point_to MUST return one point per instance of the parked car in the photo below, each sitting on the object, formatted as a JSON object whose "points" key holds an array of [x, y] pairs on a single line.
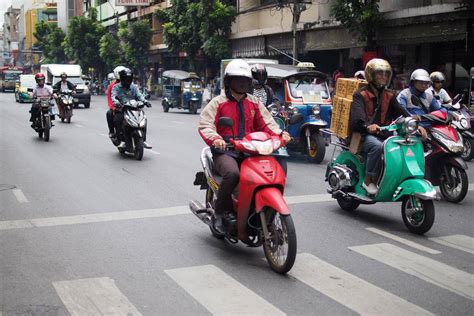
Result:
{"points": [[21, 88]]}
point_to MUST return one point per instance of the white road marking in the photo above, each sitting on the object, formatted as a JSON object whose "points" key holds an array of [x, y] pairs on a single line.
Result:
{"points": [[127, 215], [78, 125], [21, 198], [471, 187], [177, 122], [403, 241], [460, 242], [93, 218], [153, 152], [429, 270], [349, 290], [105, 135], [219, 293], [98, 296]]}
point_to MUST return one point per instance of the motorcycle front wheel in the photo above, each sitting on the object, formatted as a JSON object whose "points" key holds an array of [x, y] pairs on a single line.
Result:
{"points": [[317, 148], [138, 147], [280, 248], [47, 128], [467, 153], [456, 190], [347, 204], [418, 215]]}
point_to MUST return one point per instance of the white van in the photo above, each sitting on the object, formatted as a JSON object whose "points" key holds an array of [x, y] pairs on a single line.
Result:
{"points": [[53, 72]]}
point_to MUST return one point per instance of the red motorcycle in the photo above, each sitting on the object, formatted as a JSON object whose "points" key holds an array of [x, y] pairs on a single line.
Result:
{"points": [[444, 166], [261, 216]]}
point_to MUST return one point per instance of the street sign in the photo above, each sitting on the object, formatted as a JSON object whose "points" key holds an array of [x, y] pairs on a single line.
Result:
{"points": [[132, 2]]}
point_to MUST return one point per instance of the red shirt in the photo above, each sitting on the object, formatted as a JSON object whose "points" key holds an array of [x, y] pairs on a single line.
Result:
{"points": [[109, 95]]}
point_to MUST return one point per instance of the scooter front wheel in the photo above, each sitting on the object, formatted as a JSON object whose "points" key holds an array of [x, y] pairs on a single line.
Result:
{"points": [[348, 204], [418, 215], [467, 153], [456, 191], [280, 247]]}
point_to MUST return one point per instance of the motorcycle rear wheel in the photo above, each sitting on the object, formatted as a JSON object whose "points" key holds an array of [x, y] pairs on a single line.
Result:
{"points": [[166, 106], [282, 235], [348, 204], [418, 221], [210, 200], [454, 192]]}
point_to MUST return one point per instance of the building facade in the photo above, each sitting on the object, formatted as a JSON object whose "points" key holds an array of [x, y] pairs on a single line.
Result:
{"points": [[10, 35]]}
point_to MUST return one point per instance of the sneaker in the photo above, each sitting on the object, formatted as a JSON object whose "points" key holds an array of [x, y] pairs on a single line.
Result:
{"points": [[371, 188], [218, 223], [121, 145], [145, 144]]}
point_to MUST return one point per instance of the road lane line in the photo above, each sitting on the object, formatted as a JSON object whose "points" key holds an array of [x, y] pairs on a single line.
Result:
{"points": [[127, 215], [403, 241], [21, 198], [97, 296], [460, 242], [219, 293], [471, 187], [105, 135], [78, 125], [153, 152], [429, 270], [350, 290]]}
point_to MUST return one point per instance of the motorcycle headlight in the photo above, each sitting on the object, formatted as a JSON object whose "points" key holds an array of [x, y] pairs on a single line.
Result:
{"points": [[263, 148], [143, 123], [273, 110], [316, 109], [452, 146], [411, 126], [464, 123], [293, 110]]}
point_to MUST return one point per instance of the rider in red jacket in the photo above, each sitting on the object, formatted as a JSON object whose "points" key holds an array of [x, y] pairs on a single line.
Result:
{"points": [[249, 115], [110, 112]]}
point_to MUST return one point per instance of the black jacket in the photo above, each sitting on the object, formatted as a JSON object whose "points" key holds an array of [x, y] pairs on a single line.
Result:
{"points": [[57, 86]]}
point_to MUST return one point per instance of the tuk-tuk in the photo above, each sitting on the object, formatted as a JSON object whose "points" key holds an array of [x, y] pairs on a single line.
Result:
{"points": [[305, 92], [181, 90]]}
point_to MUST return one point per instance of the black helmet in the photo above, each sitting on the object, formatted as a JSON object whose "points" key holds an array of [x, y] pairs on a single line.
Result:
{"points": [[63, 75], [259, 73], [126, 77]]}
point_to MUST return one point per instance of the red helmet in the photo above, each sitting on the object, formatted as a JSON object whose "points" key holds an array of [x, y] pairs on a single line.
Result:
{"points": [[39, 76]]}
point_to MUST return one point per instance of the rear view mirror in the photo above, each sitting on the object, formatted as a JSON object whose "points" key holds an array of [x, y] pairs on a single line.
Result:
{"points": [[225, 121], [456, 106]]}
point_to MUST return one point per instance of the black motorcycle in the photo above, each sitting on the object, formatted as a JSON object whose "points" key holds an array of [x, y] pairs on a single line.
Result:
{"points": [[42, 124]]}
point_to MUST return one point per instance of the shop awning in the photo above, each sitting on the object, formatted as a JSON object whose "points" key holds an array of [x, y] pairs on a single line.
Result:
{"points": [[331, 38], [248, 47]]}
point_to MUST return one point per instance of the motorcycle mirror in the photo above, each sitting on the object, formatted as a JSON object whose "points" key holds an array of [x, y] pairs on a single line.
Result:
{"points": [[296, 119], [225, 121], [456, 106], [415, 100], [48, 83], [29, 90]]}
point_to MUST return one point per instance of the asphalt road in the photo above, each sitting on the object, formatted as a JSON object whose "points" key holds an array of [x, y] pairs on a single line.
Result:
{"points": [[85, 231]]}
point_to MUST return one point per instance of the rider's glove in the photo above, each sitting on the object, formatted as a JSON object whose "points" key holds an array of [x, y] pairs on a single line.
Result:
{"points": [[148, 104]]}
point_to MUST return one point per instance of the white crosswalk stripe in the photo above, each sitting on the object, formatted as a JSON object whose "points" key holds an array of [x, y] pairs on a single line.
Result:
{"points": [[220, 293], [427, 269], [97, 296], [349, 290], [460, 242], [403, 241]]}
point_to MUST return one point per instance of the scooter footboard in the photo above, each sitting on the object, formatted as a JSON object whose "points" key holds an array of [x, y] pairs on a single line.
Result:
{"points": [[418, 187], [271, 197]]}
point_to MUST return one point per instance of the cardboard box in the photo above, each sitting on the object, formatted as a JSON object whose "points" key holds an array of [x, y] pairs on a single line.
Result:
{"points": [[341, 112], [345, 87]]}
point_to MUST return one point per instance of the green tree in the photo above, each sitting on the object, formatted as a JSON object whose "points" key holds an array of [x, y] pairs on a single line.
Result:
{"points": [[49, 39], [361, 17], [110, 50], [194, 25], [135, 37], [82, 41]]}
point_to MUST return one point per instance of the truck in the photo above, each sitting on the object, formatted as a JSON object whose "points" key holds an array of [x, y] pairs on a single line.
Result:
{"points": [[53, 72]]}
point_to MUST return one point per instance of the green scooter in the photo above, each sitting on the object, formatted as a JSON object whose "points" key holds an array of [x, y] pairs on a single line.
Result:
{"points": [[401, 178]]}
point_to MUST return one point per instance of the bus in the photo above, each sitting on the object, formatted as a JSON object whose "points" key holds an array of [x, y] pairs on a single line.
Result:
{"points": [[9, 76]]}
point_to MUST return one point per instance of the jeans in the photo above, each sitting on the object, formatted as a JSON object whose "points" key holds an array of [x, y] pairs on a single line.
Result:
{"points": [[228, 168], [373, 148]]}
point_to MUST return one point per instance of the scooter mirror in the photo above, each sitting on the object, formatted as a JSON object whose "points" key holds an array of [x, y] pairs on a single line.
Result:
{"points": [[456, 106], [29, 90], [225, 121], [415, 100], [296, 119]]}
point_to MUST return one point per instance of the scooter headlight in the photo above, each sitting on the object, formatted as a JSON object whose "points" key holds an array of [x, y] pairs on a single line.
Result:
{"points": [[142, 123], [316, 109], [464, 123], [452, 146], [293, 110], [411, 126], [273, 110], [263, 148]]}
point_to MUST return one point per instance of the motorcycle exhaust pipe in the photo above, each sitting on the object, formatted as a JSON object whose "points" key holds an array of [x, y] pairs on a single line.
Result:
{"points": [[199, 210]]}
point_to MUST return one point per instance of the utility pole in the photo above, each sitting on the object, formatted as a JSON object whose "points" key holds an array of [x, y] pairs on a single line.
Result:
{"points": [[298, 7]]}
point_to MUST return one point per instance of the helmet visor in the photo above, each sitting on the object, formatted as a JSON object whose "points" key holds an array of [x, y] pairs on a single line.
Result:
{"points": [[126, 81], [382, 77]]}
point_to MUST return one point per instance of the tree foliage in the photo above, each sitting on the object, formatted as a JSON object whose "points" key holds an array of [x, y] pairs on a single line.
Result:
{"points": [[135, 38], [82, 41], [194, 25], [110, 50], [361, 17], [49, 39]]}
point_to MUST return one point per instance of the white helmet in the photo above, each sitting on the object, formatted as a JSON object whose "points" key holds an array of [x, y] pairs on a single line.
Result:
{"points": [[117, 70], [437, 76], [110, 76], [238, 68], [420, 75], [360, 74]]}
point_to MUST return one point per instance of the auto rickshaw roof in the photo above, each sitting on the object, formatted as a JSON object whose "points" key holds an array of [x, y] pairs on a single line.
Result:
{"points": [[180, 74], [285, 71]]}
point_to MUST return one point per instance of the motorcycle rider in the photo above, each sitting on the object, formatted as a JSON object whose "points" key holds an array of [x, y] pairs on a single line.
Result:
{"points": [[60, 86], [374, 106], [260, 88], [249, 115], [419, 83], [110, 113], [40, 91], [123, 91], [436, 89]]}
